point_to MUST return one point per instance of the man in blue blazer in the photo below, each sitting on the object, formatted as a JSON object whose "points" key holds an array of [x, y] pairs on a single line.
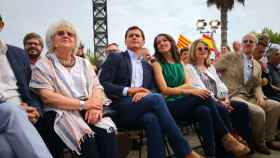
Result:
{"points": [[127, 80], [18, 137]]}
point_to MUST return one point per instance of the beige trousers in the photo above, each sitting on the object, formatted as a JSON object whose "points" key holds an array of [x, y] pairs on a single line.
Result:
{"points": [[264, 121]]}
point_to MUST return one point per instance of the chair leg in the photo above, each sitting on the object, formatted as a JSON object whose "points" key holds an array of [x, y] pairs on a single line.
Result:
{"points": [[141, 137], [199, 138], [167, 149]]}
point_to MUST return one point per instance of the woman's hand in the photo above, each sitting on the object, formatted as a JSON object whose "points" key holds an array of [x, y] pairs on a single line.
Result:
{"points": [[261, 102], [94, 103], [226, 104], [203, 93], [92, 116], [264, 81]]}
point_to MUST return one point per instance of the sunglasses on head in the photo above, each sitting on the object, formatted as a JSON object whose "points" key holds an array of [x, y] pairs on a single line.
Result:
{"points": [[62, 33], [202, 48], [248, 41]]}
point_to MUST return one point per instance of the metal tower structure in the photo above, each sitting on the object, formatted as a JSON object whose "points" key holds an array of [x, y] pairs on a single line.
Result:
{"points": [[100, 32]]}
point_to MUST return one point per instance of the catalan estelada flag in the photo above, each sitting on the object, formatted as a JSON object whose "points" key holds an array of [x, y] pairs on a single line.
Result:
{"points": [[207, 39], [183, 42]]}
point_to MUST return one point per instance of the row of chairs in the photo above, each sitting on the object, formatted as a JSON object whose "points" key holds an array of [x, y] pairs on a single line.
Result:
{"points": [[137, 138]]}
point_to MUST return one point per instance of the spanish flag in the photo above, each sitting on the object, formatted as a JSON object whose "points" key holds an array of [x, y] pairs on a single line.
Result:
{"points": [[207, 39], [183, 42]]}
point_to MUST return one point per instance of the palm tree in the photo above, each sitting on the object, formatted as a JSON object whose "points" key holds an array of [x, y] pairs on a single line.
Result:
{"points": [[224, 6], [274, 36]]}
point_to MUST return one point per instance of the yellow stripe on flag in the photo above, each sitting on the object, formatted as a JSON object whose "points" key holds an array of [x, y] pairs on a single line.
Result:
{"points": [[208, 40], [179, 45], [183, 41]]}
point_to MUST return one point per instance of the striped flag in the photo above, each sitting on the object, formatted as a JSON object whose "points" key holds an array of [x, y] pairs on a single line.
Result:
{"points": [[183, 42], [207, 39]]}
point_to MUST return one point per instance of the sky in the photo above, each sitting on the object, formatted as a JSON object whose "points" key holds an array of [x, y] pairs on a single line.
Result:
{"points": [[153, 16]]}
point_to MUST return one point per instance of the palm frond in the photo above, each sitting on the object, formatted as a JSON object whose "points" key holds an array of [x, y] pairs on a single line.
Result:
{"points": [[225, 4]]}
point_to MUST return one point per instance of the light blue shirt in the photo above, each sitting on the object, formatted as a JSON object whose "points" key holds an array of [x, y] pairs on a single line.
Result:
{"points": [[248, 68], [136, 71]]}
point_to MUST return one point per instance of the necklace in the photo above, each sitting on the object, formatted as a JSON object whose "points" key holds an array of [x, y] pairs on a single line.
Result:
{"points": [[67, 63]]}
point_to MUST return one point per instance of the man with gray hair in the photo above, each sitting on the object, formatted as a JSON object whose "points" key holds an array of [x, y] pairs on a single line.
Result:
{"points": [[272, 90], [18, 137], [242, 75]]}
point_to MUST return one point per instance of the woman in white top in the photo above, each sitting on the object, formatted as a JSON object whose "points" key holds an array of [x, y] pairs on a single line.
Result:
{"points": [[203, 75]]}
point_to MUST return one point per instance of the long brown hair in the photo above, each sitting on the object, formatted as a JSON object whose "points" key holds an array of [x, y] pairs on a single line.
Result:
{"points": [[173, 51]]}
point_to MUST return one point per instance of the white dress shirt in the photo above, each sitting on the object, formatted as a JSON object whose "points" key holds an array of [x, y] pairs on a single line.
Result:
{"points": [[8, 81], [136, 71]]}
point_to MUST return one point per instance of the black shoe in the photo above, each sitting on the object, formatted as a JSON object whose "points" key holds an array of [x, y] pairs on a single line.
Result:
{"points": [[262, 149]]}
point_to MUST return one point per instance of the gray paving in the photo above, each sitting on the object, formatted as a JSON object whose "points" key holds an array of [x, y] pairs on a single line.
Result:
{"points": [[194, 142]]}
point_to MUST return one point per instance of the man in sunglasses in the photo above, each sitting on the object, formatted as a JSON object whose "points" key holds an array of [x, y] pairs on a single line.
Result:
{"points": [[18, 137], [242, 75]]}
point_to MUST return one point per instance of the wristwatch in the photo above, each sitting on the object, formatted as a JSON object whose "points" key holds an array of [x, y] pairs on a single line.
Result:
{"points": [[82, 105]]}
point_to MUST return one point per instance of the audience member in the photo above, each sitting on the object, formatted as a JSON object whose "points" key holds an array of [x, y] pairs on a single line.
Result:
{"points": [[73, 98], [187, 103], [236, 45], [242, 75], [203, 75], [225, 50], [272, 90], [18, 137], [261, 56], [184, 55], [263, 41], [33, 45], [112, 48], [128, 81], [80, 51]]}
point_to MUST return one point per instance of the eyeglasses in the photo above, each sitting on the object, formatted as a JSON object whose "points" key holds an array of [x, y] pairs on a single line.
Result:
{"points": [[248, 41], [62, 33], [202, 48]]}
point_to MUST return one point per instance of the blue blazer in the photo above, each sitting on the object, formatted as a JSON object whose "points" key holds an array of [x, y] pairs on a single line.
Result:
{"points": [[116, 74], [20, 64]]}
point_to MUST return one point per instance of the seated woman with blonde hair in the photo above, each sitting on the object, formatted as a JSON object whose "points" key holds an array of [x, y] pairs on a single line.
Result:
{"points": [[73, 99], [204, 76]]}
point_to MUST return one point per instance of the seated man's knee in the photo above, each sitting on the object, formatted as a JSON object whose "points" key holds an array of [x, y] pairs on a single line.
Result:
{"points": [[5, 150], [155, 99], [257, 112], [149, 119], [9, 110]]}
